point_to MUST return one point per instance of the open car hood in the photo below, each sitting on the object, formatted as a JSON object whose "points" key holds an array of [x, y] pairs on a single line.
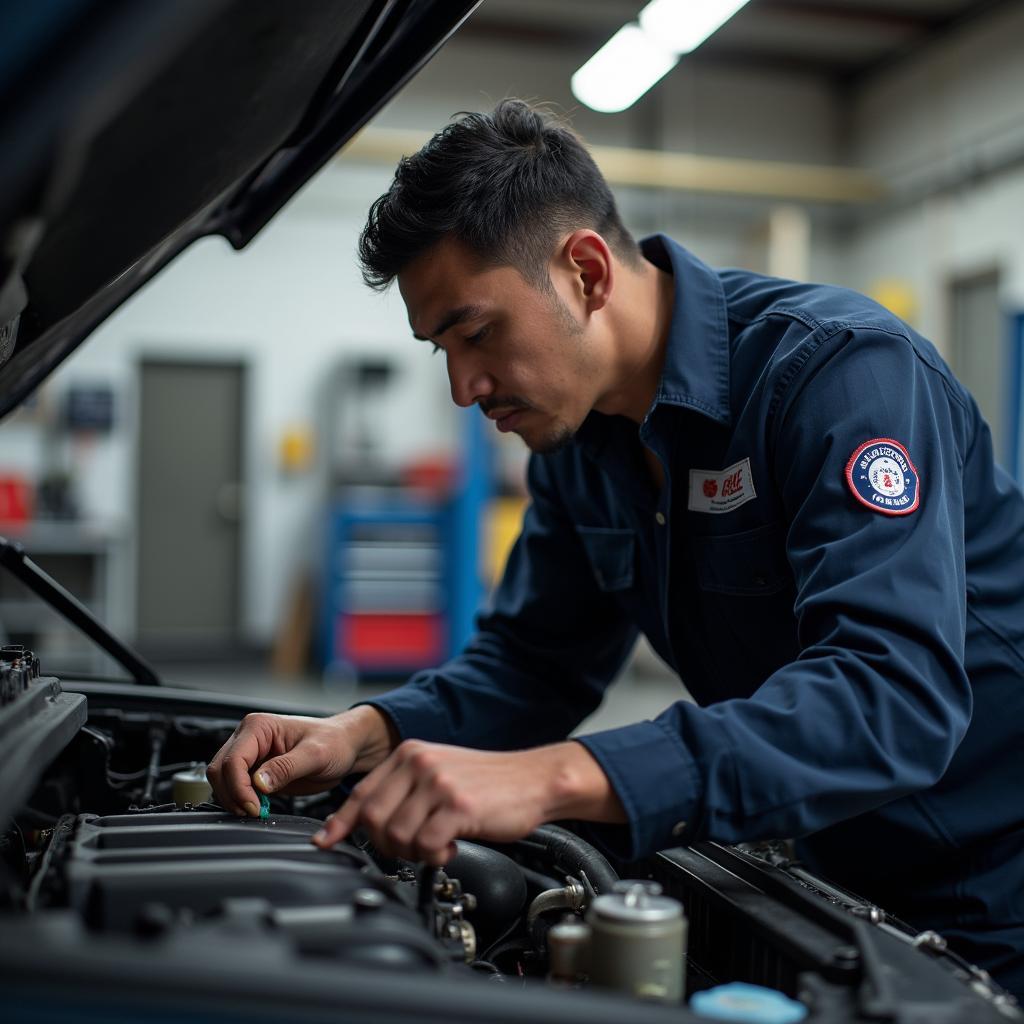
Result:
{"points": [[128, 130]]}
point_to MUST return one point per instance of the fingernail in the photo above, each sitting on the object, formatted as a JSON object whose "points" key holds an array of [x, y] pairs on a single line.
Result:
{"points": [[264, 779], [320, 837], [251, 809]]}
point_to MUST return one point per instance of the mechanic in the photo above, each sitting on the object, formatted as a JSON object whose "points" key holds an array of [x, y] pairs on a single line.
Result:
{"points": [[781, 484]]}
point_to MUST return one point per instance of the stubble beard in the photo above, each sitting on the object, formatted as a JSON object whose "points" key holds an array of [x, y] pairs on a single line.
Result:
{"points": [[559, 438], [561, 435]]}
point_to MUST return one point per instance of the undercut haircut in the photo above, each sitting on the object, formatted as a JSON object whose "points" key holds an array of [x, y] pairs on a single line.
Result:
{"points": [[508, 185]]}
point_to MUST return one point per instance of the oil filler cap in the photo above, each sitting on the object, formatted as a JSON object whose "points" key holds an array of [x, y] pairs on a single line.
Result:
{"points": [[747, 1004]]}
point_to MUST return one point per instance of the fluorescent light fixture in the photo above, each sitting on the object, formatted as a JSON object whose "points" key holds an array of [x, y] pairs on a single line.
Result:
{"points": [[622, 70], [682, 25]]}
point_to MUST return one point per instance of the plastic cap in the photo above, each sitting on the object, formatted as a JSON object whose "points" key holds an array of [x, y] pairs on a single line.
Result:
{"points": [[747, 1004], [636, 902]]}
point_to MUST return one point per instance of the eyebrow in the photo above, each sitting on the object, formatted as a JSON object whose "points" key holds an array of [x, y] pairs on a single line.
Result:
{"points": [[451, 319]]}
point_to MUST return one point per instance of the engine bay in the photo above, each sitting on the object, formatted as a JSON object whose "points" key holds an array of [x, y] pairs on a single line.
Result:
{"points": [[125, 884]]}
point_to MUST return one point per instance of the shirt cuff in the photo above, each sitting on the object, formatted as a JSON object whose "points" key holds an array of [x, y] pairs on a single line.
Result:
{"points": [[414, 713], [656, 778]]}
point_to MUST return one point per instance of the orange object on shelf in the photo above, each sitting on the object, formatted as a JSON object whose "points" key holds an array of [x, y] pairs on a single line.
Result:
{"points": [[436, 475]]}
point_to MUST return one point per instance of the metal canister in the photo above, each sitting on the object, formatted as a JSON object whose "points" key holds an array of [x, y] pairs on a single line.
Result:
{"points": [[568, 952], [638, 942]]}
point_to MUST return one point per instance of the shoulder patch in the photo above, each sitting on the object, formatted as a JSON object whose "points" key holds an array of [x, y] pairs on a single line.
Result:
{"points": [[881, 476]]}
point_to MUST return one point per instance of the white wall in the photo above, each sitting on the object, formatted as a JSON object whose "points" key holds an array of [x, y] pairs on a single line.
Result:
{"points": [[946, 130]]}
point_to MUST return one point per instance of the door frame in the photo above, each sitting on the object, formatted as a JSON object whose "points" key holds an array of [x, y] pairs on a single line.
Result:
{"points": [[1007, 453]]}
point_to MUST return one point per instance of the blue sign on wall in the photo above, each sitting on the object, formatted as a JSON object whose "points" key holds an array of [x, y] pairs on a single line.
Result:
{"points": [[1015, 434]]}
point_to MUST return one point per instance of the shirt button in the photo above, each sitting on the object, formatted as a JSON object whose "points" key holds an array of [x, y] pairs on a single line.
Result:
{"points": [[679, 828], [660, 518]]}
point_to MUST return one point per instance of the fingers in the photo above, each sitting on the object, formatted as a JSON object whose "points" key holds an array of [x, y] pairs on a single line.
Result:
{"points": [[372, 802], [407, 804], [228, 772], [436, 839], [307, 758]]}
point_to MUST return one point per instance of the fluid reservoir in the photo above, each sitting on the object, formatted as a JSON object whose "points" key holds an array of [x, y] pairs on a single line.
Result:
{"points": [[638, 942], [191, 786]]}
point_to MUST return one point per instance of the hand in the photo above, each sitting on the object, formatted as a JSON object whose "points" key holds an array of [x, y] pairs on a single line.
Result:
{"points": [[296, 755], [425, 795]]}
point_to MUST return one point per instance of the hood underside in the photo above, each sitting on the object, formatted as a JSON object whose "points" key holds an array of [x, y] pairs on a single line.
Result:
{"points": [[129, 130]]}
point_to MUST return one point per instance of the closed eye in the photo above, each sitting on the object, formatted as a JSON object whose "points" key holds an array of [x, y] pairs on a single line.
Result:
{"points": [[479, 336]]}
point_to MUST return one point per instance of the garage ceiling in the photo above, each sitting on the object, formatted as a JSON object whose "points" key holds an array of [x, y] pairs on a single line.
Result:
{"points": [[843, 40]]}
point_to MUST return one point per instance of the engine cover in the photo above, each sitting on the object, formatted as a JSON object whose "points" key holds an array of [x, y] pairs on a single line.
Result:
{"points": [[152, 873]]}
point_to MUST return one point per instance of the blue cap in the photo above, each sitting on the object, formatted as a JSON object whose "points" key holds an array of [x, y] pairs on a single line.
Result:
{"points": [[747, 1004], [264, 806]]}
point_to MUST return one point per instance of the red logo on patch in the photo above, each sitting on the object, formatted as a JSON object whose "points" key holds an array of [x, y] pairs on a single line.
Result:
{"points": [[732, 484], [710, 488]]}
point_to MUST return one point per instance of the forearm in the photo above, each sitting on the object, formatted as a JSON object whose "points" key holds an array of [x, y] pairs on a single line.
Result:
{"points": [[374, 735], [576, 785]]}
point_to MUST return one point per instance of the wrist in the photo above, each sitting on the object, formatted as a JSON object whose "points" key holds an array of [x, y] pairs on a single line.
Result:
{"points": [[576, 785], [372, 734]]}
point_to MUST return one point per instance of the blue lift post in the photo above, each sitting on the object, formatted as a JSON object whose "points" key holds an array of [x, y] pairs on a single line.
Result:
{"points": [[1015, 399], [465, 528]]}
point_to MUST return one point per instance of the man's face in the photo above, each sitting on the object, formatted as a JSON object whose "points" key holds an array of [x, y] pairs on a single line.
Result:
{"points": [[515, 350]]}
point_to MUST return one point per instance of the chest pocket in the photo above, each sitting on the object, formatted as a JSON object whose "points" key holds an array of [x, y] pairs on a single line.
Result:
{"points": [[748, 564], [743, 639], [611, 553]]}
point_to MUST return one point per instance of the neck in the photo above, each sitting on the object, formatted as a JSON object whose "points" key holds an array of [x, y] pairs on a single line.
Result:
{"points": [[639, 329]]}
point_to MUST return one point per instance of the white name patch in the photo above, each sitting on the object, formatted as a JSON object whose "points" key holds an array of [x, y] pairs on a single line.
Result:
{"points": [[721, 490]]}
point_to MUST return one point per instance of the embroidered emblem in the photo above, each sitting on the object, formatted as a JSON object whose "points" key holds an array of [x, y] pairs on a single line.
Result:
{"points": [[721, 490], [881, 476]]}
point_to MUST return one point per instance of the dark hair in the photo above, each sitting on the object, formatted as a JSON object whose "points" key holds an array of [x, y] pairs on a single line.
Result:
{"points": [[506, 184]]}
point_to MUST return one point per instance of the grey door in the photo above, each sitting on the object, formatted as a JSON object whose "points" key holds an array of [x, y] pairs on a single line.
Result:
{"points": [[189, 508], [980, 349]]}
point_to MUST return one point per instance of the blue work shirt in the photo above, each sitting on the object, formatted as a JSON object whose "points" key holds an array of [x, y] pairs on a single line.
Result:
{"points": [[835, 569]]}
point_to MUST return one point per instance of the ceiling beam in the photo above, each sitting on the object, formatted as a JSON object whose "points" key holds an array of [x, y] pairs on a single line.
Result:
{"points": [[682, 172], [875, 15]]}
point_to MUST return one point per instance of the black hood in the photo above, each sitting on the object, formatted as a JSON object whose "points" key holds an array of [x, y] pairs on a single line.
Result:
{"points": [[128, 130]]}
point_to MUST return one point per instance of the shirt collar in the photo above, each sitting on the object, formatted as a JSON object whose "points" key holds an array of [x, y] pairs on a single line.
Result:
{"points": [[696, 370]]}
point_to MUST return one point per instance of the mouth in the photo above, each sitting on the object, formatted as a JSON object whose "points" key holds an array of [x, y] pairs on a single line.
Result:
{"points": [[510, 420], [506, 418]]}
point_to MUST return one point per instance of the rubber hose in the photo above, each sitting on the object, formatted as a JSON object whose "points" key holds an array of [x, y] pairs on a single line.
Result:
{"points": [[575, 856]]}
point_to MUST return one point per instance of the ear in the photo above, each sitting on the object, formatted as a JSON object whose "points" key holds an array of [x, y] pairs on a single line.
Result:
{"points": [[587, 257]]}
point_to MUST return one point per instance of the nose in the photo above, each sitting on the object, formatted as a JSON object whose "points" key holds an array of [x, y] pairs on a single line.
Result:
{"points": [[470, 382]]}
